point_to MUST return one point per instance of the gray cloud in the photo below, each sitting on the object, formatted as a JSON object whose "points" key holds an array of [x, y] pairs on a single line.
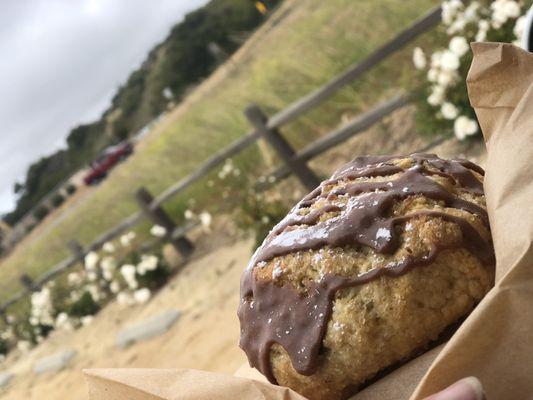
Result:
{"points": [[61, 61]]}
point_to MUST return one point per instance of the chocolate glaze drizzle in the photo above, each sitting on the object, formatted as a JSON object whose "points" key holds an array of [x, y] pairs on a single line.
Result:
{"points": [[271, 314]]}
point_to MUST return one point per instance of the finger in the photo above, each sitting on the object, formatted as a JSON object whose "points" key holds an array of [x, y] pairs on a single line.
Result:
{"points": [[465, 389]]}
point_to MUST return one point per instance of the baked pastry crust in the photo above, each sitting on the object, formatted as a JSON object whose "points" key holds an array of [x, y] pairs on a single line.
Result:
{"points": [[365, 271]]}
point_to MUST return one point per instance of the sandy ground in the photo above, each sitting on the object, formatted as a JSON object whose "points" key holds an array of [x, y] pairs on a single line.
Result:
{"points": [[205, 337]]}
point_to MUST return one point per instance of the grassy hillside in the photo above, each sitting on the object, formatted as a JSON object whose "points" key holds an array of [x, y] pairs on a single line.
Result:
{"points": [[309, 43], [176, 64]]}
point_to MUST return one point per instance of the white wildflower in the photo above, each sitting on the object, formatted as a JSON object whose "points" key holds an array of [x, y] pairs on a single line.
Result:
{"points": [[108, 265], [91, 261], [74, 278], [265, 219], [86, 320], [464, 127], [92, 276], [23, 346], [125, 299], [188, 214], [141, 296], [94, 291], [449, 61], [127, 238], [205, 219], [446, 78], [450, 9], [512, 9], [483, 24], [433, 74], [41, 308], [471, 12], [519, 28], [108, 247], [448, 110], [147, 263], [227, 169], [75, 295], [502, 11], [128, 272], [458, 25], [483, 27], [61, 318], [158, 231], [63, 322], [107, 275], [436, 59], [114, 287], [419, 58], [8, 334], [437, 96], [459, 46]]}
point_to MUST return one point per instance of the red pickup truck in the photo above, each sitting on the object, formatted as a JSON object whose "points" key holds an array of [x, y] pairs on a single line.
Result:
{"points": [[107, 160]]}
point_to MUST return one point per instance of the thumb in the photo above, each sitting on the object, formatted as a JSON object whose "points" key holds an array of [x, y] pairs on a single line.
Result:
{"points": [[465, 389]]}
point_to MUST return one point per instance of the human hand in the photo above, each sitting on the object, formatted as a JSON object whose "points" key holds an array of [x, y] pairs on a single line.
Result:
{"points": [[466, 389]]}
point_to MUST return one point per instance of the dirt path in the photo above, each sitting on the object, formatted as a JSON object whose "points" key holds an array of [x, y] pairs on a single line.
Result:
{"points": [[205, 337]]}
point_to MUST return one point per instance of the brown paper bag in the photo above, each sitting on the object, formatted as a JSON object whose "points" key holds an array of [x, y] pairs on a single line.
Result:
{"points": [[495, 343], [182, 384]]}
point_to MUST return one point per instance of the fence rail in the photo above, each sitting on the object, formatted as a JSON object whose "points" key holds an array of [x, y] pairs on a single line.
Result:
{"points": [[295, 162]]}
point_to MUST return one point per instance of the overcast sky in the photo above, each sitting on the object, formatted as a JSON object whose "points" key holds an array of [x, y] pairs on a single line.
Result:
{"points": [[61, 62]]}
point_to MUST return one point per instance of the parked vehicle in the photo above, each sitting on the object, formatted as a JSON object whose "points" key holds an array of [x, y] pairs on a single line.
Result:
{"points": [[106, 161]]}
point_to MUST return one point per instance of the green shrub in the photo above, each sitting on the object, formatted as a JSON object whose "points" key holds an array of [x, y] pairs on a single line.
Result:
{"points": [[57, 199], [70, 189], [41, 212], [85, 305], [154, 279]]}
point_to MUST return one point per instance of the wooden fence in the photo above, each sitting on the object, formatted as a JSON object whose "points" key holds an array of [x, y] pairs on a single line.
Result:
{"points": [[268, 128]]}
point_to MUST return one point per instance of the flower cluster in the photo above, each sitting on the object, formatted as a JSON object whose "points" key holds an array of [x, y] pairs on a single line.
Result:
{"points": [[228, 169], [71, 302], [446, 68], [41, 308]]}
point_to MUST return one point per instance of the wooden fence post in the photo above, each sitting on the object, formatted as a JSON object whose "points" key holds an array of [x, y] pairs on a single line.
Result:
{"points": [[158, 216], [258, 119], [76, 249]]}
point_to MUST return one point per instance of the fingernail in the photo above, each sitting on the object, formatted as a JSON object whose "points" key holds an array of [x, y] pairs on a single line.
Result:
{"points": [[466, 389]]}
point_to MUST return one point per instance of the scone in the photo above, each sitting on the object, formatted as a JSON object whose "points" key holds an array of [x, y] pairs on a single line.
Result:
{"points": [[366, 271]]}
